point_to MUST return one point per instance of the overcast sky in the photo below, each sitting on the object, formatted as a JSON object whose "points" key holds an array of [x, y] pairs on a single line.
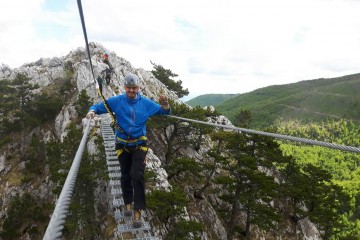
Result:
{"points": [[215, 46]]}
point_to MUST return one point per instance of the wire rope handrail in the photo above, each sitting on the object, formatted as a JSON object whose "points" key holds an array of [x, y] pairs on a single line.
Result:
{"points": [[56, 224], [276, 135]]}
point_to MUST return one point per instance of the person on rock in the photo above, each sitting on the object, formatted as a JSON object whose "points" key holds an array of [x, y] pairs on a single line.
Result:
{"points": [[106, 58], [132, 112], [107, 72]]}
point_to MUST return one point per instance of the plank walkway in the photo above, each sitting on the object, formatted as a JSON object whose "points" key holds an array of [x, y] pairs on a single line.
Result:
{"points": [[124, 224]]}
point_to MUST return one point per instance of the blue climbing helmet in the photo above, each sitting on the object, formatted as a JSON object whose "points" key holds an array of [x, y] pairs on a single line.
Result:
{"points": [[131, 80]]}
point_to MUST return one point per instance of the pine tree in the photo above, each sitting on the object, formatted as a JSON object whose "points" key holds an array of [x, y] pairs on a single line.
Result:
{"points": [[249, 188], [83, 103], [183, 164], [199, 129], [209, 168], [22, 99], [175, 131], [165, 76], [170, 207], [313, 195]]}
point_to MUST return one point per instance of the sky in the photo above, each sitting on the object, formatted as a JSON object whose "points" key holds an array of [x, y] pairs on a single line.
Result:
{"points": [[214, 46]]}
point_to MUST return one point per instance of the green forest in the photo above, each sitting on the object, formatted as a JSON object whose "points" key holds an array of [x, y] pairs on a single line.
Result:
{"points": [[305, 101], [342, 167]]}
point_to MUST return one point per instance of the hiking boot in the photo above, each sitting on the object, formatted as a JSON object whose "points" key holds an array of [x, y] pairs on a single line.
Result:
{"points": [[127, 210], [137, 219]]}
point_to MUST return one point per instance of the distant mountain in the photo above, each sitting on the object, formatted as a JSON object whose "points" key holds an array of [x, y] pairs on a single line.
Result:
{"points": [[306, 101], [210, 99]]}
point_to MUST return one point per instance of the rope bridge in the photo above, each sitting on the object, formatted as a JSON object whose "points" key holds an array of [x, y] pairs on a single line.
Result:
{"points": [[56, 224]]}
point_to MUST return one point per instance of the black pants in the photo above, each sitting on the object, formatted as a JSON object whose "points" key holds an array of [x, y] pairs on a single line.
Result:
{"points": [[107, 78], [132, 163]]}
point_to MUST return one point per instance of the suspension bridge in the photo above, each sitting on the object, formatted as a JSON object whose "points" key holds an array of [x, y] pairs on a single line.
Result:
{"points": [[124, 227]]}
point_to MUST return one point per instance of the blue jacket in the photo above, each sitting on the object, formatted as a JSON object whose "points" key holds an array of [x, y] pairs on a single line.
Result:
{"points": [[131, 115]]}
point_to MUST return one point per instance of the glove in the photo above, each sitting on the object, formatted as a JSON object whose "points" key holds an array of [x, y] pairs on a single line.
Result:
{"points": [[90, 115], [164, 103]]}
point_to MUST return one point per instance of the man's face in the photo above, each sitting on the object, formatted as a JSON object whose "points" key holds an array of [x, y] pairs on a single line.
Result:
{"points": [[131, 91]]}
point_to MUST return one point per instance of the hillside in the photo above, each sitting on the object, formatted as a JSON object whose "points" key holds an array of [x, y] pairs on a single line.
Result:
{"points": [[306, 101], [210, 99]]}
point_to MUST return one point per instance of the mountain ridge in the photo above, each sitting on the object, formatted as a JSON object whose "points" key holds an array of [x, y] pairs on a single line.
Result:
{"points": [[209, 99], [306, 100]]}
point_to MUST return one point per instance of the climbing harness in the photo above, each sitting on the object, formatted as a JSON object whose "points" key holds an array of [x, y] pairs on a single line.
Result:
{"points": [[131, 140], [123, 145], [131, 149]]}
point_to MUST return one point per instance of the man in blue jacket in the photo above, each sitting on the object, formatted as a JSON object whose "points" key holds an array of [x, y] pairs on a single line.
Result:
{"points": [[131, 112]]}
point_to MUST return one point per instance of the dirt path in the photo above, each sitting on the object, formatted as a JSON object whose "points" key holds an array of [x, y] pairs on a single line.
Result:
{"points": [[310, 111]]}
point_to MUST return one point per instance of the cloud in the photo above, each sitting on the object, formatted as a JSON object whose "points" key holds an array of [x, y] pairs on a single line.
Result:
{"points": [[243, 45], [31, 32]]}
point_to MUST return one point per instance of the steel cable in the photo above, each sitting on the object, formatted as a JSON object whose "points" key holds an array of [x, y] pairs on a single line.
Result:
{"points": [[276, 135]]}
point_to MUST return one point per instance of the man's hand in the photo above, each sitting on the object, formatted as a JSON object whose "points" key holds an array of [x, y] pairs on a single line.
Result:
{"points": [[164, 103], [90, 115]]}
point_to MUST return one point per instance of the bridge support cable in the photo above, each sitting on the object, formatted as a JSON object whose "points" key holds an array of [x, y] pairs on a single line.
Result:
{"points": [[86, 38], [276, 135], [108, 109], [124, 224], [56, 224]]}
